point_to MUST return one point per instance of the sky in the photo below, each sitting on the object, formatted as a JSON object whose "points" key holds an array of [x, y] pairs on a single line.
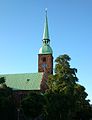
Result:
{"points": [[70, 30]]}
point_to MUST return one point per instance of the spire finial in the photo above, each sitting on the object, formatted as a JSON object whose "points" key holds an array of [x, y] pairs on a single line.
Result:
{"points": [[46, 11]]}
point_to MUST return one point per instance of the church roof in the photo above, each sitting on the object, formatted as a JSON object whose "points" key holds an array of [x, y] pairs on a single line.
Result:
{"points": [[26, 81]]}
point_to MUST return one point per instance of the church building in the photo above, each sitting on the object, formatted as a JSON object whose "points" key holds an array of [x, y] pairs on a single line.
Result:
{"points": [[34, 81]]}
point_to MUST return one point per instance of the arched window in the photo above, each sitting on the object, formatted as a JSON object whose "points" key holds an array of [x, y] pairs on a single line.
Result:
{"points": [[44, 59]]}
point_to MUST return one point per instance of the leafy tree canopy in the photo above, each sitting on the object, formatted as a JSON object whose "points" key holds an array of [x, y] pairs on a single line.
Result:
{"points": [[72, 96], [7, 107], [33, 105]]}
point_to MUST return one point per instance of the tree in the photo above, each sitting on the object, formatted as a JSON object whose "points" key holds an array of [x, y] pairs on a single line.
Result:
{"points": [[7, 107], [33, 105], [2, 82], [65, 94]]}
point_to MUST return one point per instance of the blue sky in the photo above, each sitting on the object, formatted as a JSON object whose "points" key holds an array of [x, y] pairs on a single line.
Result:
{"points": [[70, 29]]}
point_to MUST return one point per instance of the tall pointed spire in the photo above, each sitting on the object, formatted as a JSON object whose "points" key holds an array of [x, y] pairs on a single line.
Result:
{"points": [[46, 31], [46, 49]]}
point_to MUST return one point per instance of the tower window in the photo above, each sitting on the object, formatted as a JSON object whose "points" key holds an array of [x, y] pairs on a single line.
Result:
{"points": [[44, 59], [45, 42]]}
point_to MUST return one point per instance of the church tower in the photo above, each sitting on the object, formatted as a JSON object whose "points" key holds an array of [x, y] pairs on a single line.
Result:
{"points": [[45, 57]]}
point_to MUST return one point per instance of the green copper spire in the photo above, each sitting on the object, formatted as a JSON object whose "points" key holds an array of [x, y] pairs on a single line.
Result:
{"points": [[46, 49], [46, 31]]}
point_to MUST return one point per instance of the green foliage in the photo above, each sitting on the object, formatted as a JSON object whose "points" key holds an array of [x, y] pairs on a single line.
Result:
{"points": [[2, 83], [2, 80], [56, 108], [33, 105], [7, 107], [63, 70], [65, 94]]}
